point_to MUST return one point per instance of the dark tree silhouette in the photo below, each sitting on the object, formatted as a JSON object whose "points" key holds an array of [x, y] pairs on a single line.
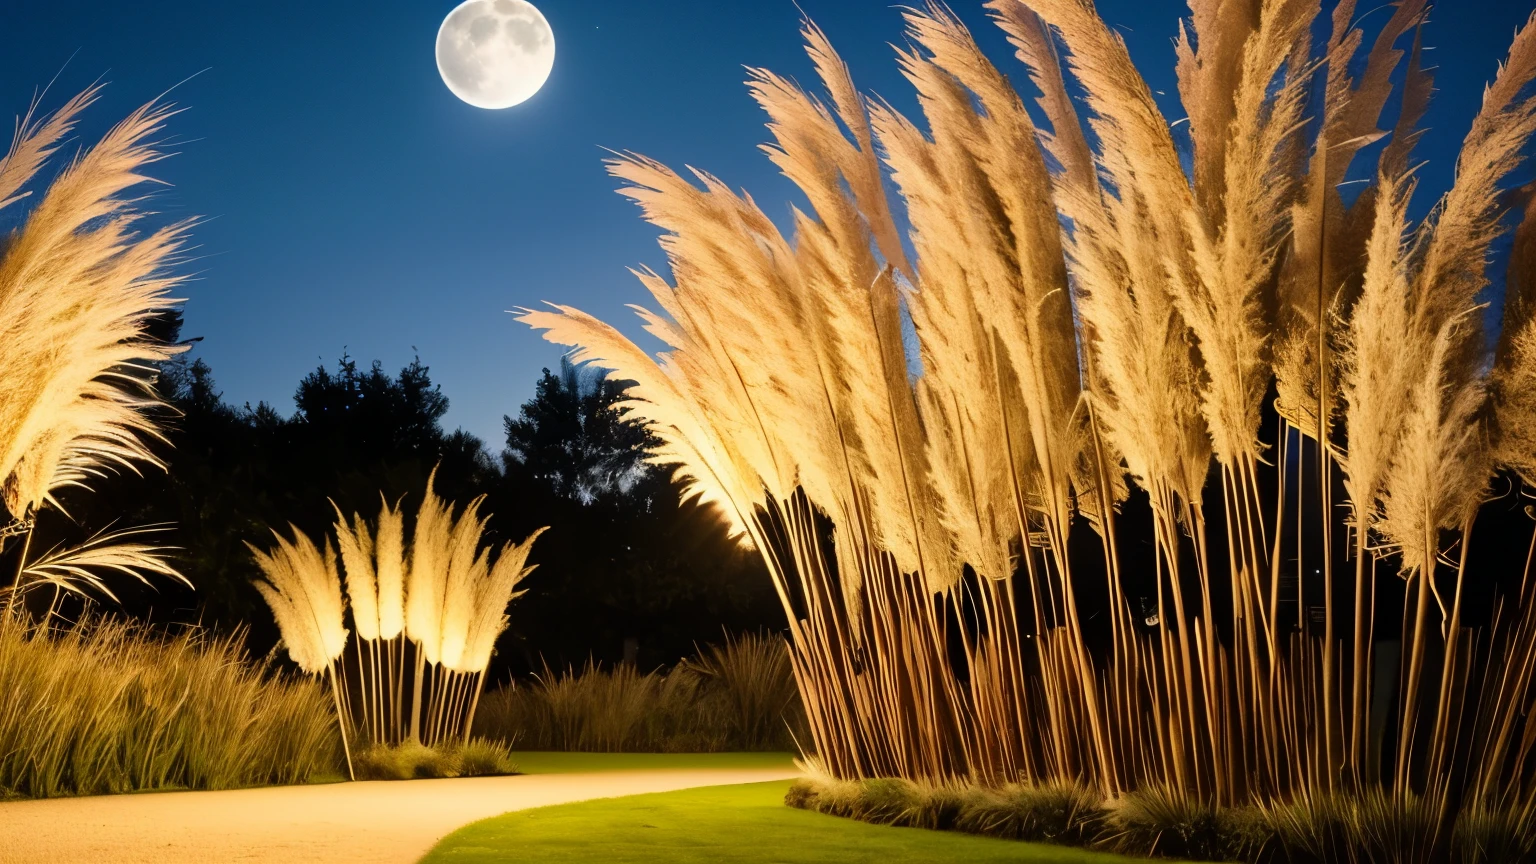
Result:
{"points": [[570, 437], [625, 558]]}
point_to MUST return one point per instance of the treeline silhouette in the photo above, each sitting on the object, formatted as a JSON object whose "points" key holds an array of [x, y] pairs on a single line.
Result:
{"points": [[628, 571]]}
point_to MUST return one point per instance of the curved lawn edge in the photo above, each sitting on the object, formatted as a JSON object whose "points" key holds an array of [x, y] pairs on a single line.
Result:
{"points": [[741, 823], [565, 762]]}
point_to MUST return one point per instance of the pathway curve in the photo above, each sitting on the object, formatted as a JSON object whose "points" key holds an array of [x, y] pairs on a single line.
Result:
{"points": [[341, 823]]}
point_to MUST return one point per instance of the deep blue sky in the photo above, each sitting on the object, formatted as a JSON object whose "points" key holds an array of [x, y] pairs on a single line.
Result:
{"points": [[355, 203]]}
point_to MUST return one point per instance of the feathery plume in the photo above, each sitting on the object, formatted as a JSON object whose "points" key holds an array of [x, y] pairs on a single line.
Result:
{"points": [[356, 546], [77, 289], [431, 552], [493, 593], [79, 569], [303, 589], [389, 550]]}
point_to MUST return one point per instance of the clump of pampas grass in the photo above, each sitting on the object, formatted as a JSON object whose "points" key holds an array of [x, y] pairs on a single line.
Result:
{"points": [[440, 601], [914, 429], [79, 283]]}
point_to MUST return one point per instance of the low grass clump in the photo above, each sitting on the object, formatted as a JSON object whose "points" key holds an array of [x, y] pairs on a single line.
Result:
{"points": [[1060, 813], [738, 696], [1161, 822], [106, 707], [412, 760], [1485, 836]]}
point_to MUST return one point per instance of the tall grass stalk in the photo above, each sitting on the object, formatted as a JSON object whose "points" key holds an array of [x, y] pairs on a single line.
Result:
{"points": [[1093, 321]]}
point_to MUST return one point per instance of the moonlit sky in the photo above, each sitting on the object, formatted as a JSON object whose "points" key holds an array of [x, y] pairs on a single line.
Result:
{"points": [[355, 204]]}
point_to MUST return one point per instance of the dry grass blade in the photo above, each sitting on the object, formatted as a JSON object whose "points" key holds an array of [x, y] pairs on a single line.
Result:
{"points": [[80, 569]]}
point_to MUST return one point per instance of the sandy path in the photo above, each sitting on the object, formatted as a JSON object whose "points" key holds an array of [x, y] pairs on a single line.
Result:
{"points": [[342, 823]]}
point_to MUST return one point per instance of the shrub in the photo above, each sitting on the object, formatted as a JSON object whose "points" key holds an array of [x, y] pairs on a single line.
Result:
{"points": [[410, 760], [1054, 813], [108, 707], [1370, 828], [749, 681], [824, 793]]}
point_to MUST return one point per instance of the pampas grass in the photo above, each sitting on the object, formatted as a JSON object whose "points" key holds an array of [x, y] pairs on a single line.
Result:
{"points": [[303, 590], [80, 281], [77, 288], [1090, 317], [442, 601]]}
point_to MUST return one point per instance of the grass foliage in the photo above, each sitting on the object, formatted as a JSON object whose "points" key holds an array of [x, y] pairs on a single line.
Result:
{"points": [[107, 707], [1374, 828], [739, 695], [411, 760], [1062, 813], [1162, 821]]}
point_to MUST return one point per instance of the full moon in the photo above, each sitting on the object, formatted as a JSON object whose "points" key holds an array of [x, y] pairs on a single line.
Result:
{"points": [[495, 53]]}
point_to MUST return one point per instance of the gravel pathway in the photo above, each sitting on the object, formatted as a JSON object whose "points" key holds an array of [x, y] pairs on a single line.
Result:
{"points": [[341, 823]]}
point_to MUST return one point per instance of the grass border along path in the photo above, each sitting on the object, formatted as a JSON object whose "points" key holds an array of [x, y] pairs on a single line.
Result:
{"points": [[746, 824]]}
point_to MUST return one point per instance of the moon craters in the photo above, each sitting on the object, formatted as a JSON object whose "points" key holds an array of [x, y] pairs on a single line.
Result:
{"points": [[495, 53]]}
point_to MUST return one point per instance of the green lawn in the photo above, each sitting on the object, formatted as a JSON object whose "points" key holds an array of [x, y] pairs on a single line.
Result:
{"points": [[745, 824], [531, 762]]}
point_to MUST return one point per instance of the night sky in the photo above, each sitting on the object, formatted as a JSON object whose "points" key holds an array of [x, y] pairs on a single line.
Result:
{"points": [[354, 204]]}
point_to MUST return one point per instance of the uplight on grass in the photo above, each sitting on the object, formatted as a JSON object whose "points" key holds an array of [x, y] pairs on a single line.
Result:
{"points": [[971, 588]]}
